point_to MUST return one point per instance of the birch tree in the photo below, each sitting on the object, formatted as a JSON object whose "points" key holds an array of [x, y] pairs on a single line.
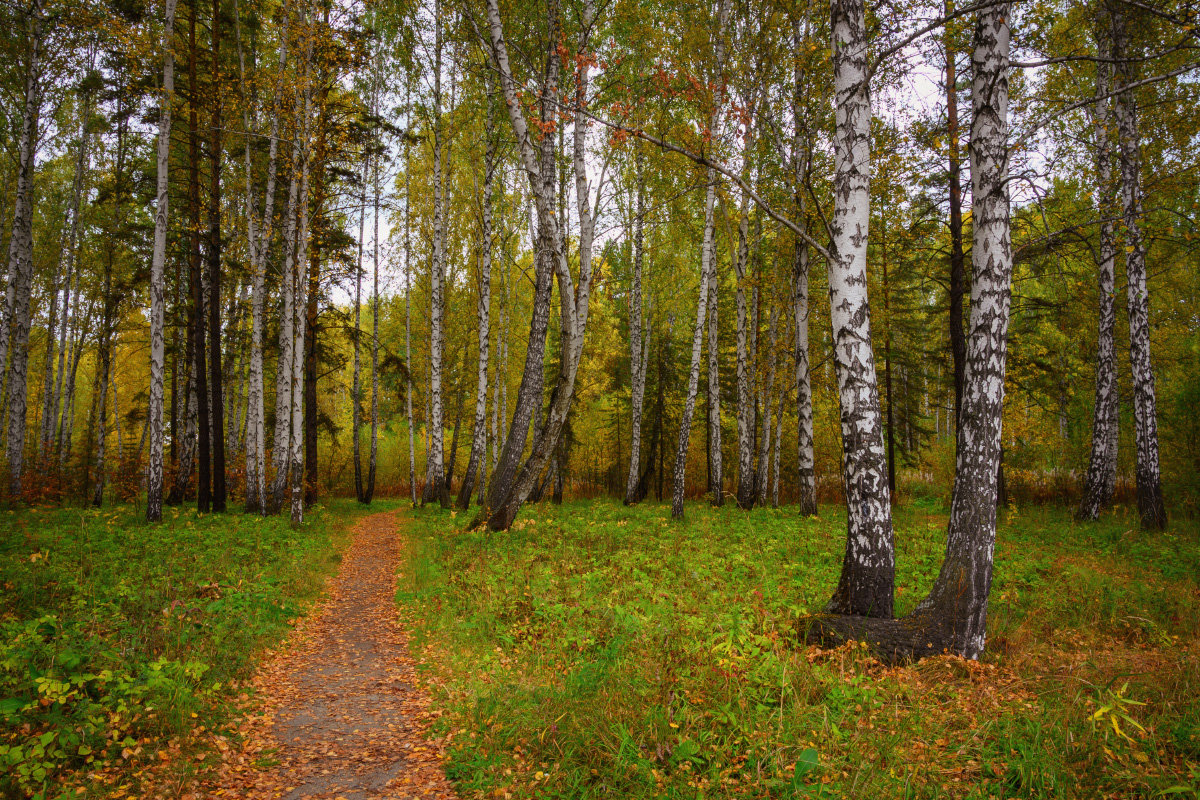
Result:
{"points": [[865, 586], [20, 255], [1149, 478], [639, 337], [475, 463], [434, 477], [154, 420], [707, 271], [1102, 467], [953, 616]]}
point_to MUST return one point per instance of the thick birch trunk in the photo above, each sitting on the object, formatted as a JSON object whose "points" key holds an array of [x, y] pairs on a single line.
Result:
{"points": [[953, 617], [1102, 468], [868, 569], [280, 451], [215, 361], [154, 420], [1149, 478]]}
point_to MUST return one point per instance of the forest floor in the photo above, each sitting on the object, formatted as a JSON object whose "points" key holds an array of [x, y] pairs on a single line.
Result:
{"points": [[598, 651], [593, 651], [337, 713]]}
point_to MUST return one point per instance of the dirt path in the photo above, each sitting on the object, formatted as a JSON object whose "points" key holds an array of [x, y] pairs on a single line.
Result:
{"points": [[339, 714]]}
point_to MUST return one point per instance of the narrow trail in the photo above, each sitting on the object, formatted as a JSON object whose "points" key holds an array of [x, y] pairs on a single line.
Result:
{"points": [[339, 715]]}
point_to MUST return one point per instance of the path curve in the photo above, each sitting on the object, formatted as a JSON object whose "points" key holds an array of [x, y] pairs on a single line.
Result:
{"points": [[340, 716]]}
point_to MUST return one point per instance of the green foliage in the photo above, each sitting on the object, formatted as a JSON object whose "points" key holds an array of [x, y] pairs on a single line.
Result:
{"points": [[603, 651], [117, 635]]}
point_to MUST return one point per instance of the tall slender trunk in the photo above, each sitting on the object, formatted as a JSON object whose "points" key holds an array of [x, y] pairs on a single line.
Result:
{"points": [[806, 488], [958, 281], [408, 383], [707, 288], [434, 477], [1102, 468], [356, 382], [745, 366], [374, 450], [541, 176], [299, 286], [639, 338], [1149, 479], [154, 419], [199, 369], [868, 569], [20, 259], [216, 382], [768, 395], [260, 245], [573, 304], [62, 272], [483, 314], [887, 359], [956, 610], [281, 446]]}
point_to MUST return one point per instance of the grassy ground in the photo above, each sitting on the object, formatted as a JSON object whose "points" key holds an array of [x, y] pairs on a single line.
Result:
{"points": [[602, 651], [120, 641]]}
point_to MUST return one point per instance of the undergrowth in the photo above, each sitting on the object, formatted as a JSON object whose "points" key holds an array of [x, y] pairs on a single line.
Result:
{"points": [[119, 638], [602, 651]]}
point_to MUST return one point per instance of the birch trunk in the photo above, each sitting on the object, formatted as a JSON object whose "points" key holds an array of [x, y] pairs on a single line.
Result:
{"points": [[1149, 478], [539, 164], [745, 403], [573, 305], [483, 313], [768, 395], [356, 383], [63, 272], [638, 351], [408, 388], [281, 445], [154, 420], [868, 569], [1102, 468], [434, 467], [299, 300], [953, 617], [260, 245], [707, 288], [373, 458], [20, 258]]}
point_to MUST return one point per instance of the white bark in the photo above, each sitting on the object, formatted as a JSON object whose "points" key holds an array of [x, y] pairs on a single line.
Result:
{"points": [[707, 287], [20, 257], [1102, 468], [866, 583], [639, 339], [1149, 477], [154, 478]]}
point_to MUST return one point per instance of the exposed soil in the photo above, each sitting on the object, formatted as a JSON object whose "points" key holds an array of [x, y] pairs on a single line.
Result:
{"points": [[339, 715]]}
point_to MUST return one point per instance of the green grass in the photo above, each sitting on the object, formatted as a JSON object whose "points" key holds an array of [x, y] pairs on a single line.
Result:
{"points": [[601, 651], [118, 638]]}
